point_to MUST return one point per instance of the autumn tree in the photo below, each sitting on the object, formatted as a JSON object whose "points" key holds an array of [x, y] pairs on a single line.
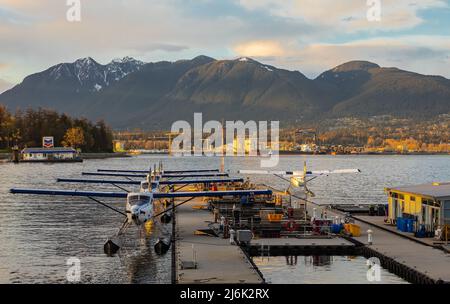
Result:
{"points": [[74, 137]]}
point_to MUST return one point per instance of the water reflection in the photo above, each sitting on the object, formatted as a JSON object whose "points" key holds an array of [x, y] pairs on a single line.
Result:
{"points": [[320, 269]]}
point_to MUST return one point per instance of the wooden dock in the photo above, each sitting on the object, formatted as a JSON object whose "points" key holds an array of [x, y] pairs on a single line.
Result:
{"points": [[206, 259]]}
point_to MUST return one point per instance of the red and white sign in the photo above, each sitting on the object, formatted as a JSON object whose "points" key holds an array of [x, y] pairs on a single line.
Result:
{"points": [[48, 142]]}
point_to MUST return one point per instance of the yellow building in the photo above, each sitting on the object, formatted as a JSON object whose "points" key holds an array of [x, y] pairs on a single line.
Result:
{"points": [[247, 146], [428, 204]]}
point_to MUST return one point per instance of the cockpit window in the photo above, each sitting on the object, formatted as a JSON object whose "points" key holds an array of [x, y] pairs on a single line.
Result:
{"points": [[138, 200]]}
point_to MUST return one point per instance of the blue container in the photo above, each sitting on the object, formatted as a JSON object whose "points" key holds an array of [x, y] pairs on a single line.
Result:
{"points": [[402, 224], [410, 225], [399, 223], [336, 228]]}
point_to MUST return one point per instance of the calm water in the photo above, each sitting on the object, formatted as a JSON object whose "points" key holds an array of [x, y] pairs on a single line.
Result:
{"points": [[320, 270], [38, 234]]}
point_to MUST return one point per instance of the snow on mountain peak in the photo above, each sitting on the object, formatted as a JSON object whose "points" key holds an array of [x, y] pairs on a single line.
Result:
{"points": [[94, 76]]}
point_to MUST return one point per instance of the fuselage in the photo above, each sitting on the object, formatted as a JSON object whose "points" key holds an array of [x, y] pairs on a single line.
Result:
{"points": [[139, 206]]}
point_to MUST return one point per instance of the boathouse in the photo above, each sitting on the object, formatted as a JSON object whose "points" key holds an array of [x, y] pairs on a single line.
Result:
{"points": [[49, 154], [427, 206]]}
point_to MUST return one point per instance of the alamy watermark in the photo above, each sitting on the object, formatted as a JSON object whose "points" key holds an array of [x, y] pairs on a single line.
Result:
{"points": [[74, 12], [374, 10], [374, 272], [234, 138], [73, 274]]}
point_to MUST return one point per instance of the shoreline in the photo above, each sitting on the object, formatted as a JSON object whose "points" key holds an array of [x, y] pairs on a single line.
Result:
{"points": [[4, 157], [85, 156]]}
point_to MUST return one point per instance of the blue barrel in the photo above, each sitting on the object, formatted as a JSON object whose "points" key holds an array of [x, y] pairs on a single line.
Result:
{"points": [[399, 223], [402, 224], [410, 225], [336, 228]]}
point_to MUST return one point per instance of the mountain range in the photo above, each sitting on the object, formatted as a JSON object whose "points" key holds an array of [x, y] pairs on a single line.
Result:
{"points": [[129, 93]]}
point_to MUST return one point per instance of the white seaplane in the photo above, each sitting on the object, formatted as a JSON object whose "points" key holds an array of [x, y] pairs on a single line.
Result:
{"points": [[139, 206], [298, 179]]}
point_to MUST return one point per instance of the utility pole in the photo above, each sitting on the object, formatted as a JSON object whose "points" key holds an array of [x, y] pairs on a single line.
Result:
{"points": [[222, 162]]}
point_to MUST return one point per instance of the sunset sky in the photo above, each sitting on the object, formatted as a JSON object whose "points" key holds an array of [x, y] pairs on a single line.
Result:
{"points": [[306, 35]]}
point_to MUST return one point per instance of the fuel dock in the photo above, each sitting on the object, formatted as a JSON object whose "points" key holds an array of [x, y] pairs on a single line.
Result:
{"points": [[215, 239]]}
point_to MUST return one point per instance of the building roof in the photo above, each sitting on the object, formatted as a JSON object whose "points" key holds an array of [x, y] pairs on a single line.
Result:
{"points": [[49, 150], [435, 190]]}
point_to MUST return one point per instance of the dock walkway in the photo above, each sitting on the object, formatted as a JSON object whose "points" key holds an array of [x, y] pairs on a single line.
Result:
{"points": [[427, 260], [217, 261]]}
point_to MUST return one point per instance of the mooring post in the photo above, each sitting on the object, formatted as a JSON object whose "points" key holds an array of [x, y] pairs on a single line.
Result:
{"points": [[369, 237]]}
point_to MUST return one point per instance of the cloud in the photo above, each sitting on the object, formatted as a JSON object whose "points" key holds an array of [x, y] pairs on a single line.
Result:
{"points": [[289, 33], [4, 85], [422, 54], [259, 49], [349, 15]]}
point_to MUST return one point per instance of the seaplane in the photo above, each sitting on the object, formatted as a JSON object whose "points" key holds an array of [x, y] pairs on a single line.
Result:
{"points": [[139, 206], [298, 179]]}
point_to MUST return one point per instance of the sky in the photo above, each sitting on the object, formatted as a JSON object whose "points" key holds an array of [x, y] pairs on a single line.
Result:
{"points": [[310, 36]]}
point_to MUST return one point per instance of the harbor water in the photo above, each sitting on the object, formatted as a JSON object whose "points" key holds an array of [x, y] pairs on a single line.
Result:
{"points": [[39, 234], [322, 270]]}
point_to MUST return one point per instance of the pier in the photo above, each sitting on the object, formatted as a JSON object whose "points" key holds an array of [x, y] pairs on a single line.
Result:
{"points": [[301, 246], [202, 258], [417, 262], [426, 260], [207, 259]]}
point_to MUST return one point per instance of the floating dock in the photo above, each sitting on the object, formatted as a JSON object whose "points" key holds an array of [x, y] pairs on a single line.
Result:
{"points": [[301, 246]]}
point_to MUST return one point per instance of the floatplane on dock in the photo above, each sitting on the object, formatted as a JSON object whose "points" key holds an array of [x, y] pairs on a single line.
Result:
{"points": [[139, 206], [298, 179]]}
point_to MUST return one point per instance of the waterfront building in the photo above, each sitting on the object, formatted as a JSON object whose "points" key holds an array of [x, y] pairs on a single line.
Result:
{"points": [[427, 205], [49, 154]]}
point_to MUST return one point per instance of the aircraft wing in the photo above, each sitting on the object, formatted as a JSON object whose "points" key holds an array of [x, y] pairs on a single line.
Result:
{"points": [[299, 173], [165, 171], [163, 175], [70, 193], [201, 181], [190, 171], [338, 171], [194, 175], [168, 182], [124, 194], [114, 174], [212, 193], [97, 181]]}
